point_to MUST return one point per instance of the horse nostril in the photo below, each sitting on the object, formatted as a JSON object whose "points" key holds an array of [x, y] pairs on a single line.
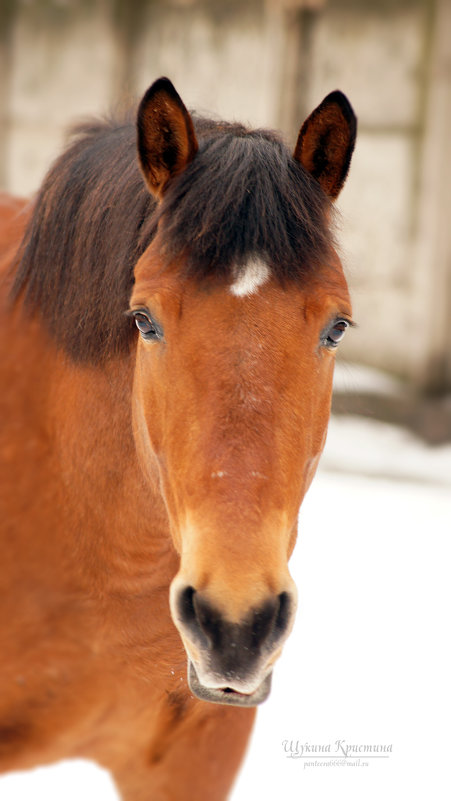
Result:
{"points": [[185, 606], [209, 620], [263, 623], [199, 618], [271, 621], [262, 627], [283, 613]]}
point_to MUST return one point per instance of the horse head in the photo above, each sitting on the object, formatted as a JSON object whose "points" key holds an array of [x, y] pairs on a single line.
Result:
{"points": [[240, 302]]}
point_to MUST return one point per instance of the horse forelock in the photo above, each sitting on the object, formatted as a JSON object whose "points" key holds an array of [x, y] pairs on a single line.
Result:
{"points": [[243, 199]]}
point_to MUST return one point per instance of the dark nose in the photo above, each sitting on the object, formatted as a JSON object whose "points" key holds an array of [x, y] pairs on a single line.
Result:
{"points": [[234, 647]]}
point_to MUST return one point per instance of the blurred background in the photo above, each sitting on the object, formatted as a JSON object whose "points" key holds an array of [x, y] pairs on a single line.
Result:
{"points": [[368, 658]]}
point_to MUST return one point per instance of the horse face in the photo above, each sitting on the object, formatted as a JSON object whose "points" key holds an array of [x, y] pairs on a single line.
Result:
{"points": [[231, 402]]}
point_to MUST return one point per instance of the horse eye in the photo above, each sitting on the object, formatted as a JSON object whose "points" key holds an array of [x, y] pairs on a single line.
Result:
{"points": [[336, 333], [145, 326]]}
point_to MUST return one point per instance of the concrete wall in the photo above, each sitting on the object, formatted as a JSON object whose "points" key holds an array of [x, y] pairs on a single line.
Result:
{"points": [[269, 63]]}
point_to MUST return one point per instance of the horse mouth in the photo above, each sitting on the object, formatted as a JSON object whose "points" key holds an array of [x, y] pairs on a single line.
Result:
{"points": [[226, 695]]}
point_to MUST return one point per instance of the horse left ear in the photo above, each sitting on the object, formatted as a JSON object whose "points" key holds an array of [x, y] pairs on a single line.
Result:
{"points": [[166, 139], [326, 142]]}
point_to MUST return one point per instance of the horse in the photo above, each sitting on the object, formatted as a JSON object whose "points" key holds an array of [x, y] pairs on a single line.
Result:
{"points": [[172, 301]]}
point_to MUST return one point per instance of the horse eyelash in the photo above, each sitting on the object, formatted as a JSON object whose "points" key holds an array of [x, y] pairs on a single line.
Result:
{"points": [[132, 312], [348, 320]]}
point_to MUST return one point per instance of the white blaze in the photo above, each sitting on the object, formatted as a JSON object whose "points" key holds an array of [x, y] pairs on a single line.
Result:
{"points": [[250, 277]]}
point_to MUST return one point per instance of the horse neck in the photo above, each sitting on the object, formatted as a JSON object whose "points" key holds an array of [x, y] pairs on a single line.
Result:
{"points": [[113, 518]]}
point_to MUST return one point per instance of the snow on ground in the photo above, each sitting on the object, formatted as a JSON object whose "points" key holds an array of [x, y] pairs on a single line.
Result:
{"points": [[351, 377], [368, 662], [368, 448]]}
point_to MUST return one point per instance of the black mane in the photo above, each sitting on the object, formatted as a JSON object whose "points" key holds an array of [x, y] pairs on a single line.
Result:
{"points": [[242, 195]]}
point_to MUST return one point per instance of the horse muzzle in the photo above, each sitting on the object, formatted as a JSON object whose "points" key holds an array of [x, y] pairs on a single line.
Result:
{"points": [[231, 662]]}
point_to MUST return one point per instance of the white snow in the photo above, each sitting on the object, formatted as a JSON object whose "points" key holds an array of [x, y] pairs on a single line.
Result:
{"points": [[368, 448], [351, 377], [369, 660]]}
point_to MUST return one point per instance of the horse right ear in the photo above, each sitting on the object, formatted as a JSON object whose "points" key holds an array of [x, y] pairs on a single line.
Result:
{"points": [[326, 142], [166, 139]]}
